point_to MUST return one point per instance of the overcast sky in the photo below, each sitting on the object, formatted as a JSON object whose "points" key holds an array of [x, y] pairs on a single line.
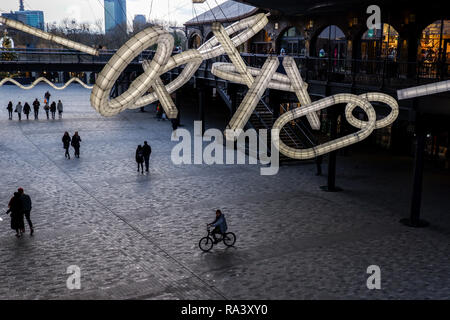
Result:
{"points": [[92, 10]]}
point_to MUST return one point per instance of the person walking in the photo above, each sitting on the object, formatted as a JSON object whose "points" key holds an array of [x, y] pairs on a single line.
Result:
{"points": [[60, 108], [15, 208], [10, 110], [47, 96], [53, 109], [140, 158], [26, 208], [19, 108], [76, 139], [26, 109], [47, 110], [66, 144], [36, 105], [146, 151]]}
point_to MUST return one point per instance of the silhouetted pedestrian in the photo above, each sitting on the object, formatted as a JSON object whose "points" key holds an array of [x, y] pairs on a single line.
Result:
{"points": [[26, 208], [10, 110], [19, 108], [26, 109], [66, 144], [146, 151], [15, 207], [47, 110], [76, 139], [47, 96], [140, 158], [53, 109], [60, 108], [36, 105]]}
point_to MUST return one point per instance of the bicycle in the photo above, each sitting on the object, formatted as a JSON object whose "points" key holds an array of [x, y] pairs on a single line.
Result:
{"points": [[206, 243]]}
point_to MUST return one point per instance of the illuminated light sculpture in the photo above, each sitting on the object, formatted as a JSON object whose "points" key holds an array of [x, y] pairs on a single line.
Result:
{"points": [[256, 79], [363, 101], [120, 60], [329, 146]]}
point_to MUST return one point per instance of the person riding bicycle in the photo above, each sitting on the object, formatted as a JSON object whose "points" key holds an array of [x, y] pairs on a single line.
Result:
{"points": [[220, 225]]}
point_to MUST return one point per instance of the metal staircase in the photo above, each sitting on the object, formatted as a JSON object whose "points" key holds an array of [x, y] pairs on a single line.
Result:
{"points": [[295, 134]]}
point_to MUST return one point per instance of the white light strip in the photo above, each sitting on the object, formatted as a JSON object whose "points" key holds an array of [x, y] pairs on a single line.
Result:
{"points": [[252, 98], [232, 52], [424, 90], [42, 79], [47, 36], [300, 90]]}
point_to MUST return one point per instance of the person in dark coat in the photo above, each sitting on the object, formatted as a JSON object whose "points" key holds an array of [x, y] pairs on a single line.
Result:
{"points": [[140, 158], [26, 109], [47, 110], [146, 151], [66, 144], [47, 96], [26, 208], [76, 144], [53, 109], [10, 110], [36, 105], [15, 208], [219, 224]]}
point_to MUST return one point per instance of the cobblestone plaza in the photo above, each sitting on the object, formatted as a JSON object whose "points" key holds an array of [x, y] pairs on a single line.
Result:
{"points": [[136, 236]]}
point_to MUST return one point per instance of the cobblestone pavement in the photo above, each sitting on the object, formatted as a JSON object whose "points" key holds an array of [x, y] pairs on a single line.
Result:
{"points": [[136, 236]]}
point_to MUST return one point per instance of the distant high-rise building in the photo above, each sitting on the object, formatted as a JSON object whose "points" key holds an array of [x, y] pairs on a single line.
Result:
{"points": [[33, 18], [115, 14], [139, 22]]}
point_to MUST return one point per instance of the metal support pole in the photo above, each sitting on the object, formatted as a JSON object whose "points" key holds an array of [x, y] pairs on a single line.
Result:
{"points": [[201, 111], [416, 198], [331, 186]]}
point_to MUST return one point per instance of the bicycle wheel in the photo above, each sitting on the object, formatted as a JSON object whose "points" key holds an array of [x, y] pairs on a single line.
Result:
{"points": [[206, 244], [229, 239]]}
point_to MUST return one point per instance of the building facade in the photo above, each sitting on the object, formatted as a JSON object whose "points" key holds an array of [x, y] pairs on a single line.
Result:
{"points": [[33, 18], [115, 14]]}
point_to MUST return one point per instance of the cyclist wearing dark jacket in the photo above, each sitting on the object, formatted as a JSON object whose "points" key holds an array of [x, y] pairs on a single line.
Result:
{"points": [[219, 224]]}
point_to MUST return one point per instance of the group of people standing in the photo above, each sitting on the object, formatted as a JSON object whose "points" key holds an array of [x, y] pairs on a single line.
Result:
{"points": [[74, 142], [20, 207], [49, 108]]}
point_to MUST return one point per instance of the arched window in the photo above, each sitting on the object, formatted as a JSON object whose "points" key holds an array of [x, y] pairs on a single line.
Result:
{"points": [[195, 41], [331, 42], [434, 43], [209, 36], [291, 42], [380, 43]]}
